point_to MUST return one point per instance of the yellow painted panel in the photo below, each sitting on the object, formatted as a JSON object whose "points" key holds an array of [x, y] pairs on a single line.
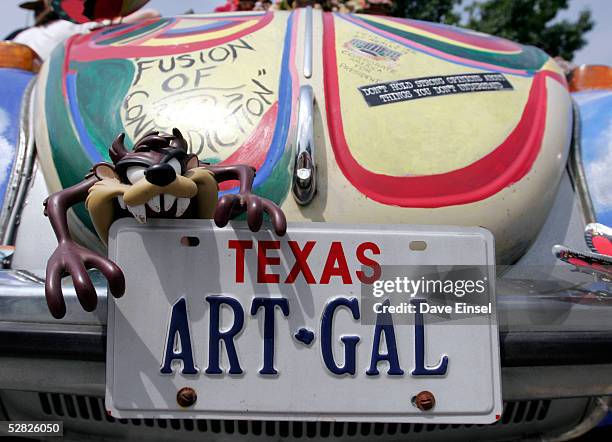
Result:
{"points": [[425, 136]]}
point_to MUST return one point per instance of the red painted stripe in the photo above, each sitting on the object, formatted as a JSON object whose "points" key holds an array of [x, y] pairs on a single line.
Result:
{"points": [[578, 262], [602, 245], [558, 78], [66, 64], [255, 148], [505, 165]]}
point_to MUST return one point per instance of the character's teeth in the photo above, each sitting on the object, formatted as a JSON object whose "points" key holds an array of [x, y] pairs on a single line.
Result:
{"points": [[121, 202], [139, 213], [181, 206], [168, 201], [155, 204]]}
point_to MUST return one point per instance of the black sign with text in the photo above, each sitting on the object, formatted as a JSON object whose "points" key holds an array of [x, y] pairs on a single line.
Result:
{"points": [[415, 88]]}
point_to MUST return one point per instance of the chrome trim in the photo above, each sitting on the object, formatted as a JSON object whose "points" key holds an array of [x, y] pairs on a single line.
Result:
{"points": [[305, 171], [21, 174], [576, 168], [597, 413], [308, 43], [22, 301]]}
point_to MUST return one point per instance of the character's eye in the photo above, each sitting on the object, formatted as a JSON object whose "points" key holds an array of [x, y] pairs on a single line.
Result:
{"points": [[176, 165], [135, 173]]}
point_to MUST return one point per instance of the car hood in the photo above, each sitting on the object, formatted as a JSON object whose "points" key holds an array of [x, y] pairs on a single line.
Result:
{"points": [[411, 122]]}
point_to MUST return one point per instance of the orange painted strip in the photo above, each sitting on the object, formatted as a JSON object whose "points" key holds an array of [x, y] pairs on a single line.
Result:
{"points": [[588, 77]]}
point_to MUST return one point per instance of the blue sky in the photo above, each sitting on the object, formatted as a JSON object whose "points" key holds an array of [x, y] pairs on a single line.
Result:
{"points": [[599, 47], [598, 50]]}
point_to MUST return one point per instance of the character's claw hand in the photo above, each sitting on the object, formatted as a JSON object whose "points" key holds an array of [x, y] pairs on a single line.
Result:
{"points": [[72, 259], [234, 204]]}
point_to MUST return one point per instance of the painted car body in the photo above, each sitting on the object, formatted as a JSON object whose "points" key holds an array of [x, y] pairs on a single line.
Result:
{"points": [[484, 143], [494, 158]]}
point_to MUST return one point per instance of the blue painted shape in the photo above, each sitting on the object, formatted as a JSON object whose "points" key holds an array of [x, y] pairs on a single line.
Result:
{"points": [[281, 131], [606, 421], [116, 28], [13, 83], [201, 28], [304, 335], [596, 149], [78, 121]]}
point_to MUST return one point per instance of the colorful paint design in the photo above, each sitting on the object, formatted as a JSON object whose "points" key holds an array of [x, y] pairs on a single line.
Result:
{"points": [[169, 36], [460, 45], [596, 149], [415, 155], [206, 75], [229, 115]]}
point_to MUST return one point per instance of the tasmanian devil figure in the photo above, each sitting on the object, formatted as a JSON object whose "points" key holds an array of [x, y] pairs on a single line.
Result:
{"points": [[157, 179]]}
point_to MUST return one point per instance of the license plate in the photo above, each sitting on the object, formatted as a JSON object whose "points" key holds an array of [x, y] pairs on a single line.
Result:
{"points": [[230, 324]]}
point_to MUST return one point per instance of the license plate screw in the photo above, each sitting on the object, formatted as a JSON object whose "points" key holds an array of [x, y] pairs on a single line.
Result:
{"points": [[424, 401], [186, 397]]}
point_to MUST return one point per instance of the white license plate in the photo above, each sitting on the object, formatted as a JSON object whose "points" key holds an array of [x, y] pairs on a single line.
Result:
{"points": [[212, 318]]}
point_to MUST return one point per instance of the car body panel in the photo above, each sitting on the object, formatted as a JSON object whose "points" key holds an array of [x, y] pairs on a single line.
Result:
{"points": [[231, 82]]}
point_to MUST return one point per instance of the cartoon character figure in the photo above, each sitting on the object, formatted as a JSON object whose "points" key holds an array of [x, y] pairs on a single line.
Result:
{"points": [[157, 179], [599, 263]]}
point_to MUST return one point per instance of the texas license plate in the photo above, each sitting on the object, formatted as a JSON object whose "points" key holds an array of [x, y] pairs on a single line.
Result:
{"points": [[230, 324]]}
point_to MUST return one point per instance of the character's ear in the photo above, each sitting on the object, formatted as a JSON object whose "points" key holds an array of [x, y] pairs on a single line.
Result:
{"points": [[105, 170], [179, 142], [118, 150], [192, 162]]}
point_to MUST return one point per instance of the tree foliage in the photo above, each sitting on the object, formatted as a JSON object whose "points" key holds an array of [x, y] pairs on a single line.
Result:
{"points": [[441, 11], [531, 22]]}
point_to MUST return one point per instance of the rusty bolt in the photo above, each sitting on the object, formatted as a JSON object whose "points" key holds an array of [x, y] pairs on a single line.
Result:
{"points": [[186, 397], [424, 401]]}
